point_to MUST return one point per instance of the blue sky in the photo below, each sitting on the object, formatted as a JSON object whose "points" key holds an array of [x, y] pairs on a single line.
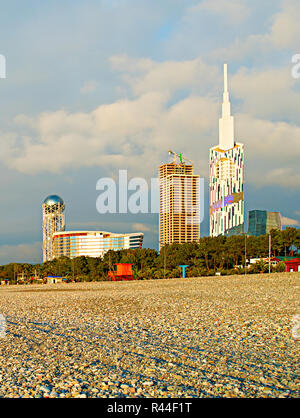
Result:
{"points": [[97, 86]]}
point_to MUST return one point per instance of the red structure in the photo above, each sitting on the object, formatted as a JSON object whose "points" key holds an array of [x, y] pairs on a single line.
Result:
{"points": [[292, 263], [123, 272]]}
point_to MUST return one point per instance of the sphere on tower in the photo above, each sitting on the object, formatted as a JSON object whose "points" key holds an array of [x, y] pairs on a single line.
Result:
{"points": [[53, 221], [53, 200]]}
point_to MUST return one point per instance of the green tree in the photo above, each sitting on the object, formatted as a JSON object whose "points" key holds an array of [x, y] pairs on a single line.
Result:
{"points": [[290, 235]]}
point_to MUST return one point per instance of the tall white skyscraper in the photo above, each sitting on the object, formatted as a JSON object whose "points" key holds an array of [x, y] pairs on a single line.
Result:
{"points": [[226, 176]]}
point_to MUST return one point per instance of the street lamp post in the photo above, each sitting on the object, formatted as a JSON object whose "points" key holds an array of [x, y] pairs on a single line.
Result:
{"points": [[245, 253], [223, 208], [183, 267], [73, 272], [269, 253]]}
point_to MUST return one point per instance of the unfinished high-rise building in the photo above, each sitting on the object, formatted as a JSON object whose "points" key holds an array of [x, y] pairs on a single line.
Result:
{"points": [[179, 202], [53, 221]]}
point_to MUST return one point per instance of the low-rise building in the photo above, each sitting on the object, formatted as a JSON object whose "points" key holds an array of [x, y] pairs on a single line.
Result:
{"points": [[54, 279], [292, 263]]}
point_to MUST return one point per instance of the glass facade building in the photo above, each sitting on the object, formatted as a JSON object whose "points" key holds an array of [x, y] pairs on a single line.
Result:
{"points": [[261, 222]]}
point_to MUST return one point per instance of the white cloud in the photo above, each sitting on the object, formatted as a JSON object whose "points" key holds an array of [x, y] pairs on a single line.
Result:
{"points": [[89, 87], [140, 227], [235, 11], [145, 75], [130, 133], [135, 133], [272, 151], [289, 222], [268, 93], [111, 135], [21, 253], [283, 33], [255, 45]]}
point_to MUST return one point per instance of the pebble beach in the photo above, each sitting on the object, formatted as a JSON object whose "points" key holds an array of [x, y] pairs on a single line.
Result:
{"points": [[184, 338]]}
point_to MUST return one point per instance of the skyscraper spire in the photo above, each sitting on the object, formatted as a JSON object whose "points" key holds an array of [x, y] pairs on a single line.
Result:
{"points": [[225, 79], [226, 123]]}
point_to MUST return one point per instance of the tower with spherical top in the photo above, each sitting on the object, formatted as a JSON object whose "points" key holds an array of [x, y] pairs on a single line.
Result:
{"points": [[53, 221]]}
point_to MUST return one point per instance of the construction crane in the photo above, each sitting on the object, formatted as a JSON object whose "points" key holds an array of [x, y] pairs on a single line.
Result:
{"points": [[181, 158]]}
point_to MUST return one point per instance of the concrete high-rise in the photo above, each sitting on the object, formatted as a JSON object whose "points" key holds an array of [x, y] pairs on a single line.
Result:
{"points": [[53, 221], [179, 203], [226, 176]]}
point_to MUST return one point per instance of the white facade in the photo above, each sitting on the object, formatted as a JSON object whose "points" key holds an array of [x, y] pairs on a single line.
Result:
{"points": [[226, 176], [93, 243]]}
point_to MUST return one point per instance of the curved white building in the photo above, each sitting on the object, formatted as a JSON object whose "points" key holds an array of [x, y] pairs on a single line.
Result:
{"points": [[93, 243]]}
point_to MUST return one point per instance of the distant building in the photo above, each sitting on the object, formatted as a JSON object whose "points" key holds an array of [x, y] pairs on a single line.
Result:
{"points": [[179, 203], [257, 260], [122, 272], [261, 222], [93, 243], [53, 221], [292, 263], [226, 176], [54, 279]]}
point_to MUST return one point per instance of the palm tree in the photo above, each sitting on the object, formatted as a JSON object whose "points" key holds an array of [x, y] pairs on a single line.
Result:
{"points": [[291, 237]]}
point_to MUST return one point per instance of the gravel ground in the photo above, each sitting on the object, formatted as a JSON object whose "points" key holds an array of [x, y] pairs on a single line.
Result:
{"points": [[204, 337]]}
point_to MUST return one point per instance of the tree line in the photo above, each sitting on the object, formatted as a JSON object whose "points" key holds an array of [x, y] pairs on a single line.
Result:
{"points": [[225, 255]]}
